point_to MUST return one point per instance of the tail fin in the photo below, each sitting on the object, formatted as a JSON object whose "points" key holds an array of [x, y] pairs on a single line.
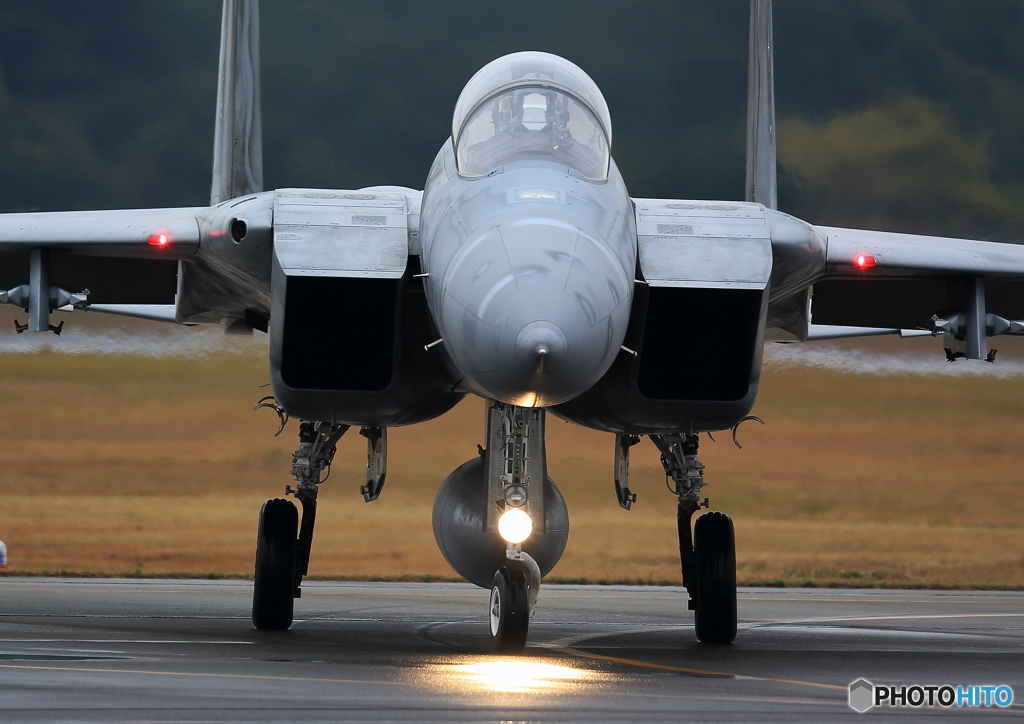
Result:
{"points": [[238, 139], [762, 185]]}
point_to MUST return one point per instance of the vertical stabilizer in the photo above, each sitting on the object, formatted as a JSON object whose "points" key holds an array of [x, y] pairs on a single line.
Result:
{"points": [[238, 139], [762, 186]]}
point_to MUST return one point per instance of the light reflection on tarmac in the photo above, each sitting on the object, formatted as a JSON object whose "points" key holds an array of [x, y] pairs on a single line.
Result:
{"points": [[106, 650], [518, 675]]}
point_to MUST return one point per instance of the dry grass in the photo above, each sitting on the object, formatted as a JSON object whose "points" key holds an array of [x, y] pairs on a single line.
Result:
{"points": [[117, 464]]}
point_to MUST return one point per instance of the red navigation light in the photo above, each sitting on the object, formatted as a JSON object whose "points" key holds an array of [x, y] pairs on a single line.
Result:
{"points": [[160, 240], [862, 261]]}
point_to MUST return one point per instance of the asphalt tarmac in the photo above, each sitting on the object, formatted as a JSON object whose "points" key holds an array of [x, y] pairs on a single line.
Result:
{"points": [[75, 650]]}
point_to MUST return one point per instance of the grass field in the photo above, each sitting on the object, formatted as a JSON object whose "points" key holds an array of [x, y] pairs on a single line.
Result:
{"points": [[130, 464]]}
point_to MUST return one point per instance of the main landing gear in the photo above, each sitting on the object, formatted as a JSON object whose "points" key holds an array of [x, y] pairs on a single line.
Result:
{"points": [[282, 557], [708, 555]]}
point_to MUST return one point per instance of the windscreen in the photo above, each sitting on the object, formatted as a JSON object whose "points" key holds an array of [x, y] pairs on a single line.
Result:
{"points": [[535, 122]]}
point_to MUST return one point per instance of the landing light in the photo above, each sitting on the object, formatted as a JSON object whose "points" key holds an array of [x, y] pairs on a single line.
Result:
{"points": [[515, 525], [864, 261], [160, 239]]}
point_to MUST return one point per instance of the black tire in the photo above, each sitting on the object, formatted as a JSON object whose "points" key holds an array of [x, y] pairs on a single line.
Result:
{"points": [[273, 598], [714, 555], [509, 610]]}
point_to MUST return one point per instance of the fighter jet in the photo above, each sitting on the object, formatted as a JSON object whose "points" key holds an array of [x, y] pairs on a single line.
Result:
{"points": [[525, 274]]}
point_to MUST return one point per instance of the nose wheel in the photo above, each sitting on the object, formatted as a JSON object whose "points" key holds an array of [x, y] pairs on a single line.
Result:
{"points": [[509, 610]]}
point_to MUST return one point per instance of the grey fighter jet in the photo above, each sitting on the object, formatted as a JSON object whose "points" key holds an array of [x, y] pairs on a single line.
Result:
{"points": [[522, 273]]}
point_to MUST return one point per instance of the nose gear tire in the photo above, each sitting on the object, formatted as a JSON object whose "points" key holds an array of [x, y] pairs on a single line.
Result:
{"points": [[714, 550], [273, 598], [509, 610]]}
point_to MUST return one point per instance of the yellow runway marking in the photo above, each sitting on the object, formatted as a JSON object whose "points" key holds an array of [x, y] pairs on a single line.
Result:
{"points": [[907, 617], [1019, 602], [571, 652], [108, 590], [719, 674], [211, 676], [639, 695]]}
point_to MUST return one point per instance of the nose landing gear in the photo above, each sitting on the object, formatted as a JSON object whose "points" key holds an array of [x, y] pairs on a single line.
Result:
{"points": [[517, 471]]}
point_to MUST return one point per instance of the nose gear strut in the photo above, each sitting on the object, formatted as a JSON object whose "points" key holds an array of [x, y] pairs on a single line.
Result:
{"points": [[516, 473]]}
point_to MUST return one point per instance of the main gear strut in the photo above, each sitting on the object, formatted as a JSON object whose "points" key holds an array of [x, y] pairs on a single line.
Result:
{"points": [[318, 441], [679, 458], [281, 559]]}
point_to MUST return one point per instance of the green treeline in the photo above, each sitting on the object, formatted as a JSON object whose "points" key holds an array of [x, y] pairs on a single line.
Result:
{"points": [[893, 114]]}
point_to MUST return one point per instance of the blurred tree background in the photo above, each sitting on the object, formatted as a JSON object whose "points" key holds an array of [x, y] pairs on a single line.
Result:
{"points": [[902, 115]]}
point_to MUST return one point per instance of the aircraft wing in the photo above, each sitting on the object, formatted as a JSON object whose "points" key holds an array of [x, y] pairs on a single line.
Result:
{"points": [[126, 257], [914, 256], [133, 233], [905, 281]]}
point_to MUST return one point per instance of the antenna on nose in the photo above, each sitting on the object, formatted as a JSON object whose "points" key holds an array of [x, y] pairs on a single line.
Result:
{"points": [[762, 184]]}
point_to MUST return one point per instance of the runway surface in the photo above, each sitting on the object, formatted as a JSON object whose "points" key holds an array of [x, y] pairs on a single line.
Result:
{"points": [[76, 650]]}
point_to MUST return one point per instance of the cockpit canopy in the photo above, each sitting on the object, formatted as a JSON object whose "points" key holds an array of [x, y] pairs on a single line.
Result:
{"points": [[532, 106]]}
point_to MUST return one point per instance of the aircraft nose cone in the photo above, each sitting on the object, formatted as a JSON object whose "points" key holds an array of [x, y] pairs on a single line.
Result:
{"points": [[541, 347], [533, 311]]}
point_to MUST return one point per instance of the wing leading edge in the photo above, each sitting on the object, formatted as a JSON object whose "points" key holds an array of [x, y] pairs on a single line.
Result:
{"points": [[133, 233]]}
